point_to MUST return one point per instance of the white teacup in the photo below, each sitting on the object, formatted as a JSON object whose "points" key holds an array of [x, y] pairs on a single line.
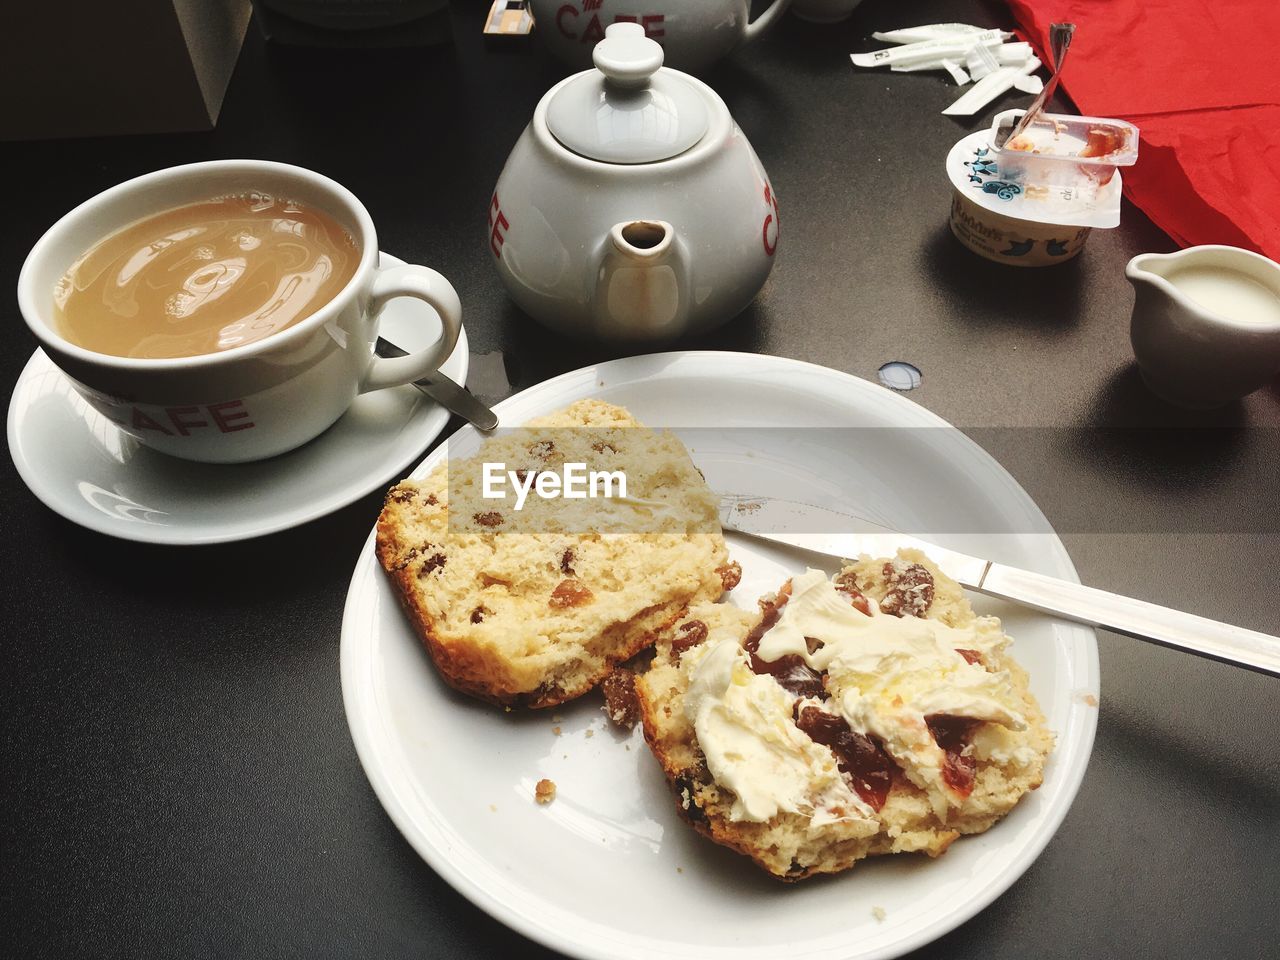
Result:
{"points": [[1206, 323], [256, 400]]}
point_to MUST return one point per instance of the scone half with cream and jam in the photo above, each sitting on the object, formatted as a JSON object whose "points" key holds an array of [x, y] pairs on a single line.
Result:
{"points": [[535, 608], [867, 714]]}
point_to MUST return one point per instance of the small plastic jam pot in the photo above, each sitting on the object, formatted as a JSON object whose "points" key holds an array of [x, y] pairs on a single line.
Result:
{"points": [[1063, 153]]}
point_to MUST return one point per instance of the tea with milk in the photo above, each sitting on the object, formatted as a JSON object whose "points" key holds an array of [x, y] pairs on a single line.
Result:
{"points": [[204, 278]]}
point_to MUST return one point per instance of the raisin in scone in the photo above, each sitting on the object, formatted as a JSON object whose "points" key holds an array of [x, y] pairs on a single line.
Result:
{"points": [[870, 714], [539, 617]]}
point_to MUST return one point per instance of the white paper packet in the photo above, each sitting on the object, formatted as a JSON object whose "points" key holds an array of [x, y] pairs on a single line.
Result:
{"points": [[927, 31]]}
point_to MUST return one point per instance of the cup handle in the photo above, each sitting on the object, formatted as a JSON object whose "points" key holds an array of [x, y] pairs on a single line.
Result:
{"points": [[756, 28], [431, 287]]}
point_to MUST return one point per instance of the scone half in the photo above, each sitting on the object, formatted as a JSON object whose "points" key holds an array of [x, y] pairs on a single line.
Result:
{"points": [[525, 613], [869, 714]]}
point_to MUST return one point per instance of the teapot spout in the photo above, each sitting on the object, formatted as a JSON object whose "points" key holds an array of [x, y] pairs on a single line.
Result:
{"points": [[642, 285], [643, 239]]}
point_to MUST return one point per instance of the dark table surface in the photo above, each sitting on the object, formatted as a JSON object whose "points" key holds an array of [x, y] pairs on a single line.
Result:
{"points": [[178, 778]]}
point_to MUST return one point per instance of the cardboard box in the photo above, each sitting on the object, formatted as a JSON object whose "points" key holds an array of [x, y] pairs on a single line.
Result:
{"points": [[102, 67]]}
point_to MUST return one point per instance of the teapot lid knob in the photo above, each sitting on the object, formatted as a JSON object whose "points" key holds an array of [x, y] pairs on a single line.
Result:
{"points": [[630, 109], [626, 56]]}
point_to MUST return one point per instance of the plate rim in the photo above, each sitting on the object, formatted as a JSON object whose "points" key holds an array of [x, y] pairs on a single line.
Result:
{"points": [[594, 379], [178, 535]]}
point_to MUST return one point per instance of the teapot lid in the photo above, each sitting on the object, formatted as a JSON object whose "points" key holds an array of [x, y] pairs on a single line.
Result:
{"points": [[628, 110]]}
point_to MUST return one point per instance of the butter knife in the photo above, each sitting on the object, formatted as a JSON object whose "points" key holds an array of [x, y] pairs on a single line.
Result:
{"points": [[844, 537], [454, 398]]}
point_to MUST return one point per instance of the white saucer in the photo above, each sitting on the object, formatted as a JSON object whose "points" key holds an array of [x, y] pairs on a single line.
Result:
{"points": [[84, 468]]}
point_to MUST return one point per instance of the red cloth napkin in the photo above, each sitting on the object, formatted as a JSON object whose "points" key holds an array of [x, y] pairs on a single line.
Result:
{"points": [[1201, 80]]}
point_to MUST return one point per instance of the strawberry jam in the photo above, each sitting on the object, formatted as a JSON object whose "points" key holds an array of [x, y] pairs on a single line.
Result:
{"points": [[793, 675], [952, 734], [791, 672], [864, 763]]}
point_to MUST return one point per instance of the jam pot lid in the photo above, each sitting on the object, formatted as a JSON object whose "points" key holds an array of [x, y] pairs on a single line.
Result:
{"points": [[627, 110]]}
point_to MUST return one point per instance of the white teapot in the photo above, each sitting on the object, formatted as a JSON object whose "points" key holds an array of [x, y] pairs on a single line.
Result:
{"points": [[632, 206], [694, 33]]}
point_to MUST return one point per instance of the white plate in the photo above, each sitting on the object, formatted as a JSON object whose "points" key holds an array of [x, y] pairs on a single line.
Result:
{"points": [[608, 870], [83, 467]]}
